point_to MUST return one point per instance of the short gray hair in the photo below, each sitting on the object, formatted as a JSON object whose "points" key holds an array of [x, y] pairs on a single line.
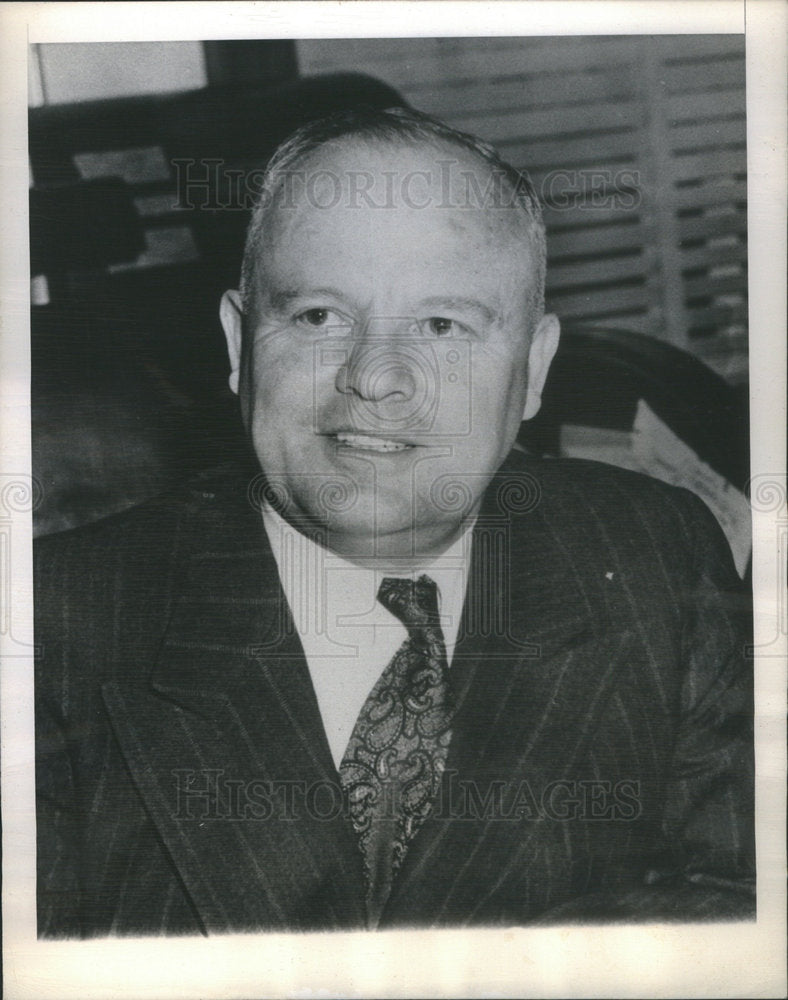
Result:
{"points": [[389, 125]]}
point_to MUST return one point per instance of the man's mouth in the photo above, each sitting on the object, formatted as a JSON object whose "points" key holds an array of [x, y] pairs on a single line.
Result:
{"points": [[364, 442]]}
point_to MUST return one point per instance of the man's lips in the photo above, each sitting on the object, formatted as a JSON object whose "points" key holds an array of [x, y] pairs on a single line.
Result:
{"points": [[369, 442]]}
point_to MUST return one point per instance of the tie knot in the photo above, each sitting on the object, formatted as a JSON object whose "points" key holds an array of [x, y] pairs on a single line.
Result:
{"points": [[414, 602]]}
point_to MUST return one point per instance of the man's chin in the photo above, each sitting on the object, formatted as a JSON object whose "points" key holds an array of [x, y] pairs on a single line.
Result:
{"points": [[381, 535]]}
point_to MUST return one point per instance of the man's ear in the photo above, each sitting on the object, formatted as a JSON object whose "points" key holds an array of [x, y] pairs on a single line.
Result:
{"points": [[543, 346], [231, 315]]}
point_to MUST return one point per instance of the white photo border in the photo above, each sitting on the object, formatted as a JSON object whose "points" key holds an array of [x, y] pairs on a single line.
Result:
{"points": [[652, 960]]}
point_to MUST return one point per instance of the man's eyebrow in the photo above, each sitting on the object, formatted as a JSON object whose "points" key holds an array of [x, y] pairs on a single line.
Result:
{"points": [[281, 298], [459, 303]]}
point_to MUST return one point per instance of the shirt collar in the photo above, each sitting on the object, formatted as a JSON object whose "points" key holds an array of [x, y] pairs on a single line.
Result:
{"points": [[322, 588]]}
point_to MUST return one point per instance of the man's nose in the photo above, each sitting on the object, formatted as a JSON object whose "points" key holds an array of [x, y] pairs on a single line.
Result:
{"points": [[382, 365]]}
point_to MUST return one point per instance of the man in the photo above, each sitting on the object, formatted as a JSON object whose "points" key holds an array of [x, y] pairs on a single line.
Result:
{"points": [[398, 674]]}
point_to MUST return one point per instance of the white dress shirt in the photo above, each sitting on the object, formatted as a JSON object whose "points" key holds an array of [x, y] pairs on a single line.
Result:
{"points": [[347, 635]]}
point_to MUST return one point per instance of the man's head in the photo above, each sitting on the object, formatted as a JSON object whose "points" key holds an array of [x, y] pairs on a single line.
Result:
{"points": [[390, 335]]}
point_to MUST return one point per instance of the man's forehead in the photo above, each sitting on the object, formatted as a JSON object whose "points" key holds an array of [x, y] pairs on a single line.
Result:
{"points": [[397, 176]]}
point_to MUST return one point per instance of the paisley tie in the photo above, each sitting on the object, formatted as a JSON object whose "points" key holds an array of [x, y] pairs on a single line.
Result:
{"points": [[397, 752]]}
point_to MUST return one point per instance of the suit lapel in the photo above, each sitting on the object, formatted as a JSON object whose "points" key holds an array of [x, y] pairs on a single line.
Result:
{"points": [[225, 743], [227, 749], [530, 676]]}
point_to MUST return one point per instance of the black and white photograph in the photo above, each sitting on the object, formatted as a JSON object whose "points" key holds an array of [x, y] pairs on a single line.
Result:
{"points": [[391, 488]]}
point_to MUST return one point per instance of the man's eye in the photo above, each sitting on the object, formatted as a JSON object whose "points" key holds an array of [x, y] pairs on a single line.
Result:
{"points": [[324, 319], [440, 326], [315, 317]]}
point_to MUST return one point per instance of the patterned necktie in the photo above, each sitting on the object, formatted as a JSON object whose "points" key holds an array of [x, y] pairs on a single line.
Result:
{"points": [[397, 752]]}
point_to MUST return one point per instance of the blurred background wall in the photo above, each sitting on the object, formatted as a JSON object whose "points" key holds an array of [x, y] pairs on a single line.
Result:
{"points": [[637, 145]]}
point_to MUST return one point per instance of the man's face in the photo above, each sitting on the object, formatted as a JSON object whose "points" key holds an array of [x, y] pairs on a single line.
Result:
{"points": [[390, 355]]}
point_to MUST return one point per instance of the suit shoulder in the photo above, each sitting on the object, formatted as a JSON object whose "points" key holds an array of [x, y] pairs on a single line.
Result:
{"points": [[582, 500], [135, 557], [104, 592], [596, 482], [146, 526]]}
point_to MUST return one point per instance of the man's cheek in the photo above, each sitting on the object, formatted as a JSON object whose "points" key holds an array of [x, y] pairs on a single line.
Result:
{"points": [[448, 391], [279, 374]]}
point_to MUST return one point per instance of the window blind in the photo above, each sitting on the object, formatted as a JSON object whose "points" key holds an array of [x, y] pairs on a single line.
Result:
{"points": [[637, 148]]}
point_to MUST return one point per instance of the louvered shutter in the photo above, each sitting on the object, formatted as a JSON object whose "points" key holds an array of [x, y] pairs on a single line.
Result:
{"points": [[637, 147]]}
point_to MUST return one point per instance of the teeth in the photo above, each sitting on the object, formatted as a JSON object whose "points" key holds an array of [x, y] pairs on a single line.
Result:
{"points": [[370, 443]]}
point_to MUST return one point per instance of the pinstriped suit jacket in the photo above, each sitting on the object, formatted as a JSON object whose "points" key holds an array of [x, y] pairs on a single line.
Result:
{"points": [[600, 766]]}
